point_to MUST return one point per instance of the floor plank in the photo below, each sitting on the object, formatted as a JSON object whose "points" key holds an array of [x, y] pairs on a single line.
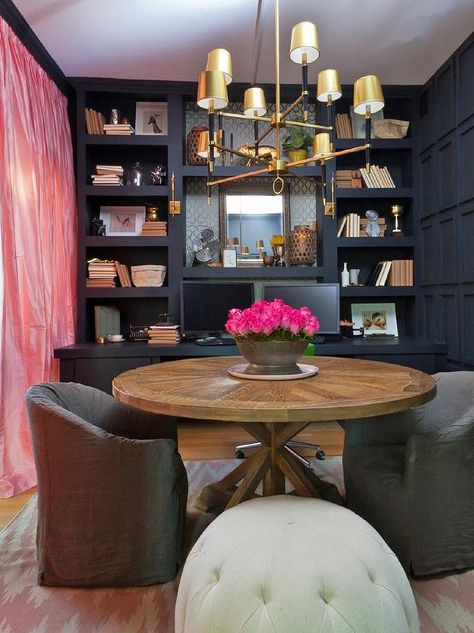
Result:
{"points": [[209, 440]]}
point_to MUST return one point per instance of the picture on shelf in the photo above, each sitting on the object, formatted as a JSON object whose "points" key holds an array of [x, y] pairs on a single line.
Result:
{"points": [[375, 318], [151, 117], [358, 123], [121, 221]]}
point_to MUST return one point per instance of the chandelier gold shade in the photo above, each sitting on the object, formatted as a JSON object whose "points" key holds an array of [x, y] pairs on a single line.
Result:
{"points": [[368, 95], [254, 102], [220, 59], [212, 90], [304, 47], [328, 86], [322, 145], [203, 145]]}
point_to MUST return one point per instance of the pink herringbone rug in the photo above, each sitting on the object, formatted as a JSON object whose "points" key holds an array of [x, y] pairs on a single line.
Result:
{"points": [[445, 605]]}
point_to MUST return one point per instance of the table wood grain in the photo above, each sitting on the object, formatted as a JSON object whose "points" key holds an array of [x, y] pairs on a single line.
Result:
{"points": [[344, 388]]}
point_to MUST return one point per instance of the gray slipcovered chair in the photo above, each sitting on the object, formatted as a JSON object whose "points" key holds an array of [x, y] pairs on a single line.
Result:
{"points": [[112, 489], [411, 476]]}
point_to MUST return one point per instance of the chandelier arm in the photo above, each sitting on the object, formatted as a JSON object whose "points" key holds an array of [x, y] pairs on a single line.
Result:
{"points": [[304, 83], [313, 126], [250, 117], [342, 152], [250, 174], [277, 86], [291, 107], [264, 134]]}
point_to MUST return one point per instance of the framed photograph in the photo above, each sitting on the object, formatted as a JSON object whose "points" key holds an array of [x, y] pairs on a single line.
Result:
{"points": [[151, 117], [123, 220], [229, 258], [358, 123], [375, 318]]}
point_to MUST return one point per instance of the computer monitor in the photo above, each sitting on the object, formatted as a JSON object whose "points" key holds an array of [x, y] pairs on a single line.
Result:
{"points": [[205, 305], [321, 299]]}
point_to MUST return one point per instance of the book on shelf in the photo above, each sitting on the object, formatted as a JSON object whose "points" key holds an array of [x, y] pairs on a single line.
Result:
{"points": [[95, 121], [249, 262], [343, 126], [124, 129], [109, 170], [155, 228], [348, 179], [165, 334], [106, 321], [377, 177], [109, 180], [395, 272], [349, 225]]}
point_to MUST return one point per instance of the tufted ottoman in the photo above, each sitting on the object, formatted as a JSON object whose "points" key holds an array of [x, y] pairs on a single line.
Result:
{"points": [[287, 564]]}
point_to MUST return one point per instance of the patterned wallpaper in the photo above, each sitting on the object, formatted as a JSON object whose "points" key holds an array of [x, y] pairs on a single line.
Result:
{"points": [[199, 214]]}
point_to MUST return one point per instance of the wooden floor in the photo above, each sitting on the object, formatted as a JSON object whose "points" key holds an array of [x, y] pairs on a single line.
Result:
{"points": [[209, 440]]}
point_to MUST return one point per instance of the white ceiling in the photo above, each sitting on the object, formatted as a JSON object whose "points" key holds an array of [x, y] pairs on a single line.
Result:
{"points": [[403, 41]]}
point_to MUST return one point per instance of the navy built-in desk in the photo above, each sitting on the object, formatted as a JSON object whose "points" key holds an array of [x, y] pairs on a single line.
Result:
{"points": [[96, 365]]}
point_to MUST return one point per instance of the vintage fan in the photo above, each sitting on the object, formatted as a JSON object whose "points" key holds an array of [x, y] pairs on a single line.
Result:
{"points": [[205, 246]]}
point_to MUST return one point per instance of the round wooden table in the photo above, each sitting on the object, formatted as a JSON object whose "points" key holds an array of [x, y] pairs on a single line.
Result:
{"points": [[272, 411]]}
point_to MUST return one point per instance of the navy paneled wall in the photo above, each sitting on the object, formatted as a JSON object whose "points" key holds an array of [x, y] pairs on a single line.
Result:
{"points": [[446, 187]]}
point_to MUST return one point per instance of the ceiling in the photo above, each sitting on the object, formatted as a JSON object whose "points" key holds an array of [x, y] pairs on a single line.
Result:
{"points": [[403, 41]]}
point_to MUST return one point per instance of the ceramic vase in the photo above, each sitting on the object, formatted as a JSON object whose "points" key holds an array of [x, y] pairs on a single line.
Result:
{"points": [[274, 358]]}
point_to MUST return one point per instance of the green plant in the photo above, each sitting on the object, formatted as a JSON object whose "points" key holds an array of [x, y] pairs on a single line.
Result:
{"points": [[296, 138]]}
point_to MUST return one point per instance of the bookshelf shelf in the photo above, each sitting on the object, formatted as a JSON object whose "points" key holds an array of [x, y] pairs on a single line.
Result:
{"points": [[112, 242], [124, 192], [396, 193], [118, 140], [118, 293], [378, 291], [375, 242], [264, 272]]}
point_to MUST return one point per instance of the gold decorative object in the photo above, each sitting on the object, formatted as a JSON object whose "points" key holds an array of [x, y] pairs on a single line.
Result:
{"points": [[174, 206], [151, 214], [301, 246], [192, 142], [278, 242], [267, 152], [397, 210], [304, 50]]}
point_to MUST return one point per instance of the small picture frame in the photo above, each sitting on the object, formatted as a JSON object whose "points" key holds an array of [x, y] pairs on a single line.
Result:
{"points": [[229, 258], [121, 221], [151, 117], [375, 318]]}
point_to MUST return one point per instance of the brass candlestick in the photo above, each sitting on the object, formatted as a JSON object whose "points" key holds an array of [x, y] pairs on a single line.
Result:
{"points": [[397, 210]]}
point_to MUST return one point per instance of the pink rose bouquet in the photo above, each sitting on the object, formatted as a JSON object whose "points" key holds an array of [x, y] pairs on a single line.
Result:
{"points": [[274, 320]]}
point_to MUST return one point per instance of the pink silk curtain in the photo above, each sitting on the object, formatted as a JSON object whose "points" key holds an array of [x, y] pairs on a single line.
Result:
{"points": [[37, 246]]}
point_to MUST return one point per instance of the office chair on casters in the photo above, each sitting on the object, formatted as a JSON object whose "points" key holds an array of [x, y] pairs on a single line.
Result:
{"points": [[319, 452]]}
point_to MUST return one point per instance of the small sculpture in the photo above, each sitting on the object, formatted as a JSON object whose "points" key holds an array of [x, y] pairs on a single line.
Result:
{"points": [[373, 229], [136, 176], [98, 227], [158, 175], [397, 211]]}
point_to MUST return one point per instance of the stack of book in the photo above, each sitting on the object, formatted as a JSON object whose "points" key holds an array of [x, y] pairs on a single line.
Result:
{"points": [[363, 227], [108, 175], [123, 274], [102, 273], [163, 334], [344, 126], [349, 226], [348, 179], [377, 177], [95, 122], [155, 228], [398, 272], [119, 129]]}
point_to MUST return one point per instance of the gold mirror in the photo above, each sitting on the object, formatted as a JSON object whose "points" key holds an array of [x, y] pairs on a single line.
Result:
{"points": [[249, 214]]}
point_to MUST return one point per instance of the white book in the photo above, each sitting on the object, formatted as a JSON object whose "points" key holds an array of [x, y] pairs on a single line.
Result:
{"points": [[389, 177]]}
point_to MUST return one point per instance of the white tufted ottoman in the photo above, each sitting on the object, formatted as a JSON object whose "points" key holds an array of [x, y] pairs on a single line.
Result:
{"points": [[287, 564]]}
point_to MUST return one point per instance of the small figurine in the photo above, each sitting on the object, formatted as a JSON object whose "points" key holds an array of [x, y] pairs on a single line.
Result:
{"points": [[158, 175], [98, 227], [373, 229]]}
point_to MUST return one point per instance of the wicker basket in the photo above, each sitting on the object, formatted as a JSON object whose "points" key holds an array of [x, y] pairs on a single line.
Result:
{"points": [[149, 275]]}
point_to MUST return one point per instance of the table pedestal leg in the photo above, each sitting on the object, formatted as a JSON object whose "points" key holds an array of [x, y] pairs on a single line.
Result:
{"points": [[269, 464]]}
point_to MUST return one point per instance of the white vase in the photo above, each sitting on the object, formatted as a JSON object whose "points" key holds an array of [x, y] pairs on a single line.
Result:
{"points": [[345, 276]]}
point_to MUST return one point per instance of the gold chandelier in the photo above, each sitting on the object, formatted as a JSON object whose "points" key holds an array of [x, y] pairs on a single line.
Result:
{"points": [[304, 49]]}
